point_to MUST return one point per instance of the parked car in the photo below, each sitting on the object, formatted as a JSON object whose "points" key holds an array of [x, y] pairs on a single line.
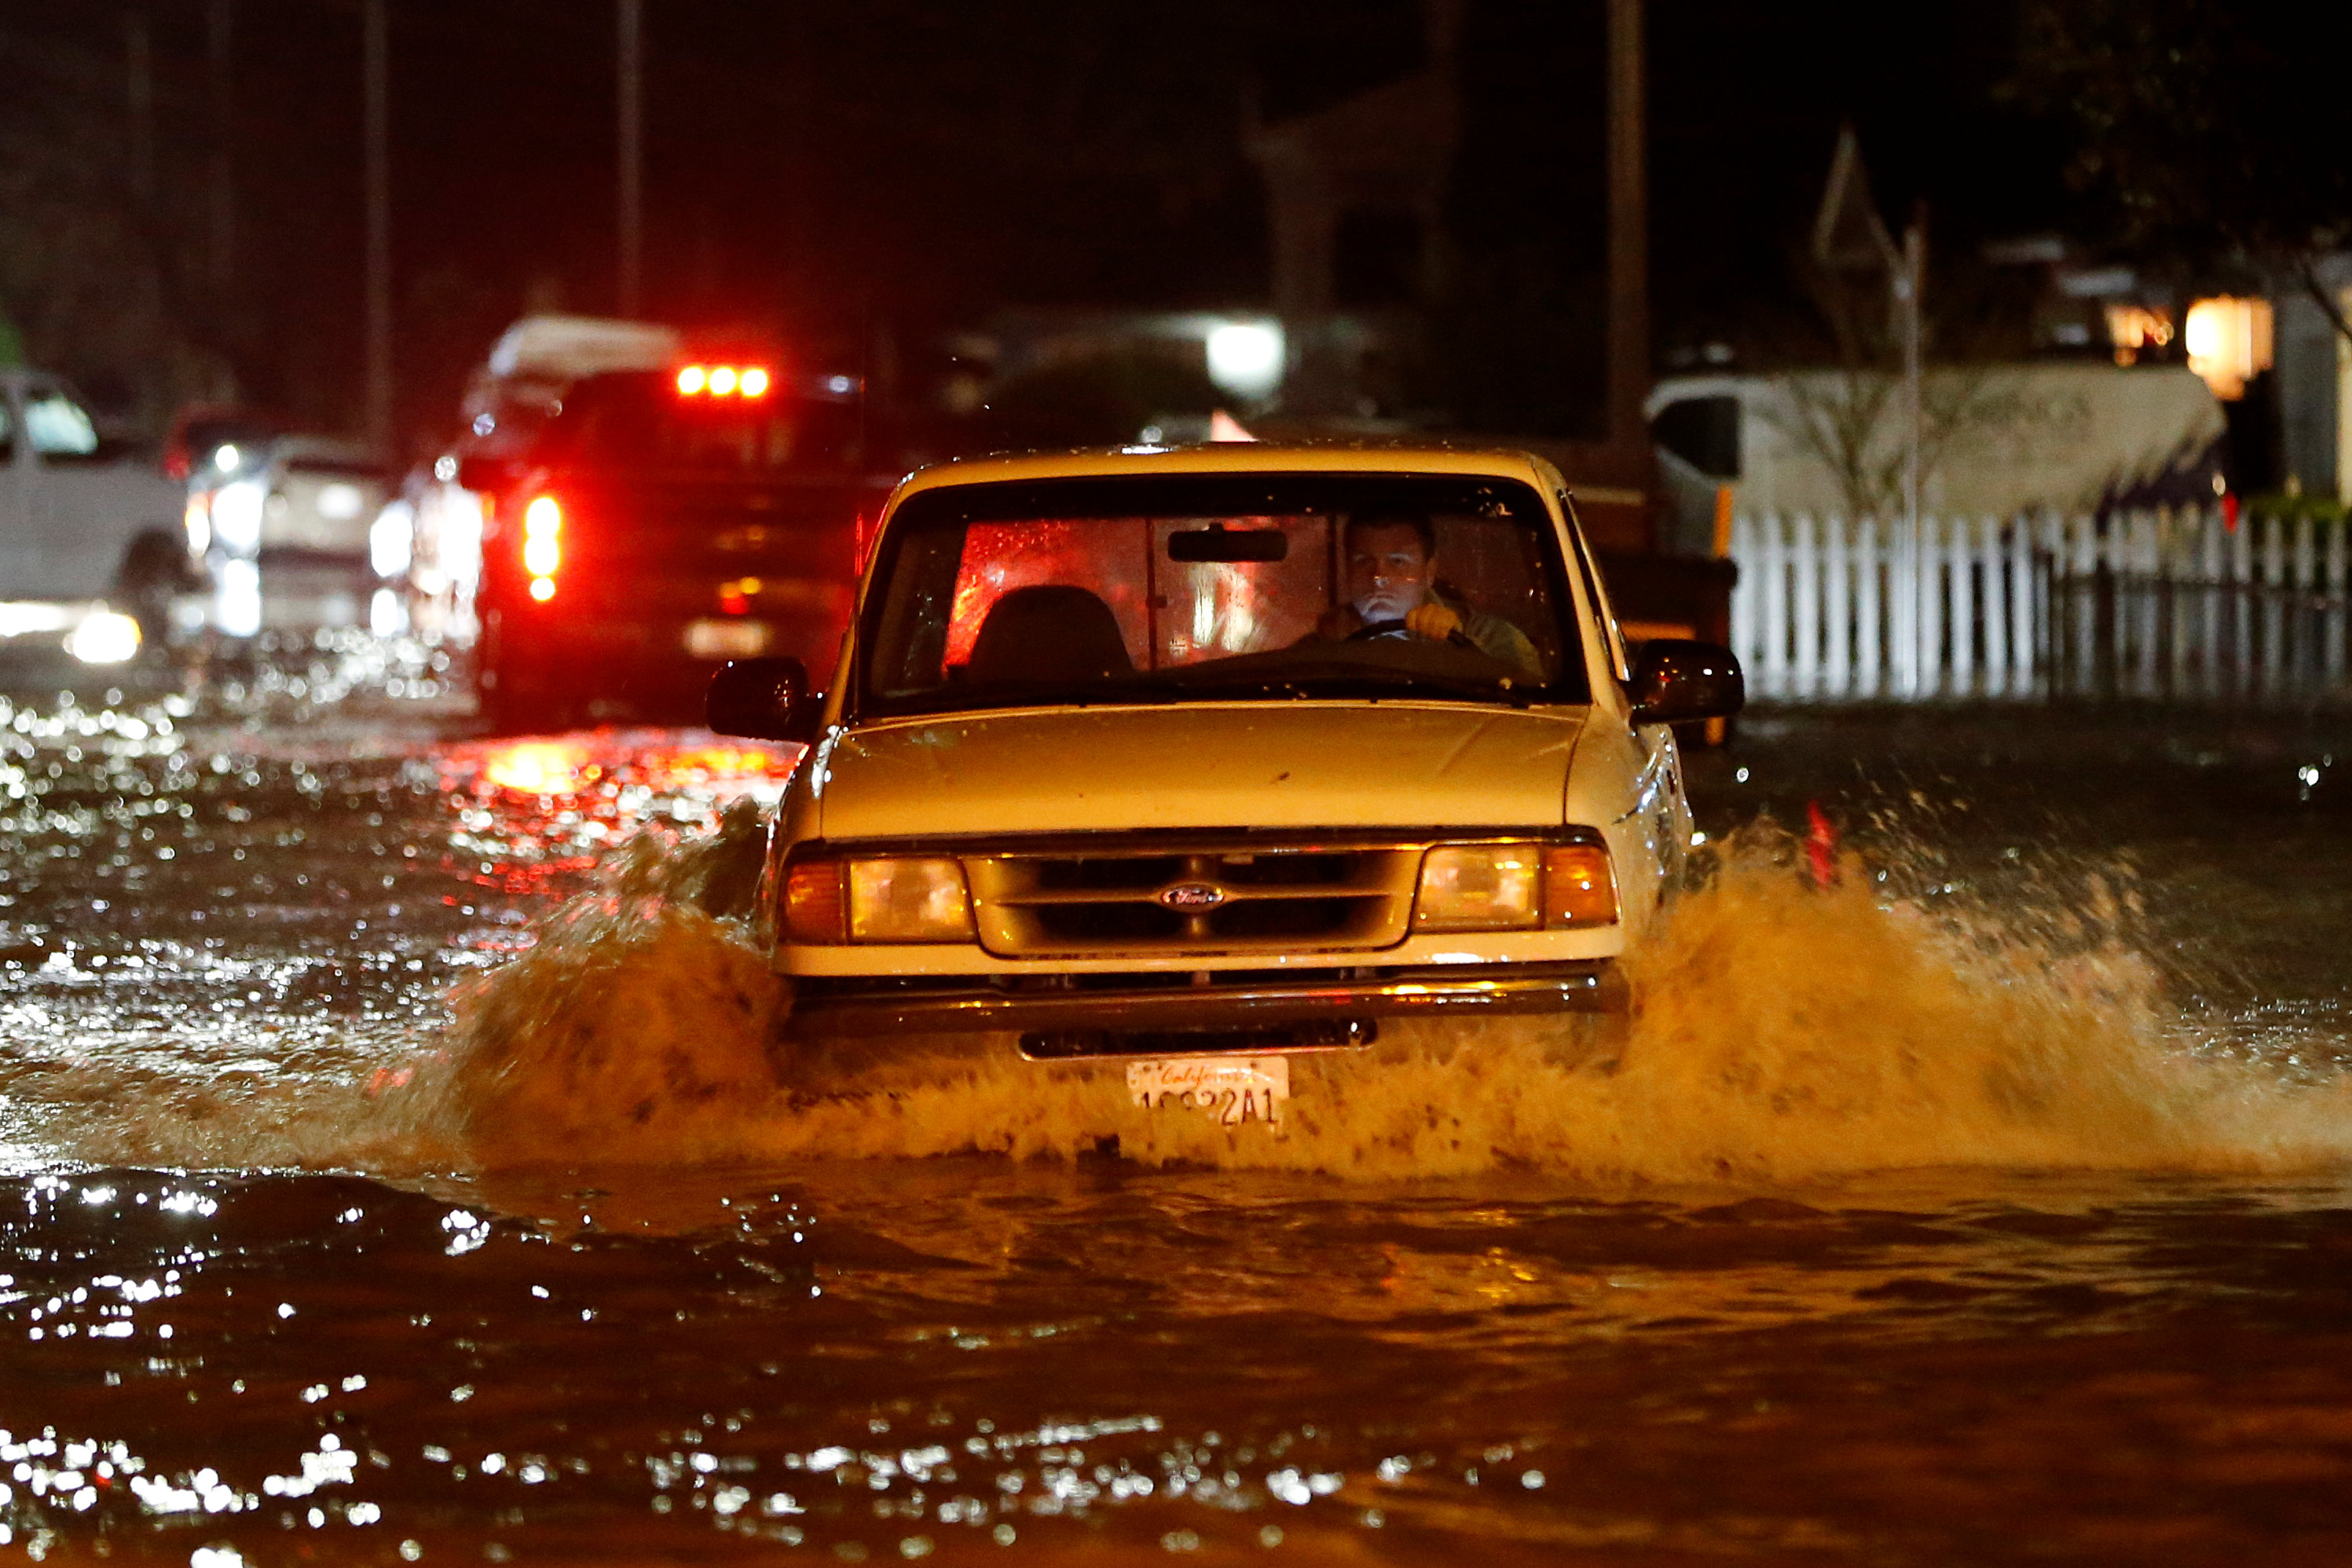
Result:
{"points": [[1178, 760], [661, 523], [82, 518], [200, 430], [285, 532]]}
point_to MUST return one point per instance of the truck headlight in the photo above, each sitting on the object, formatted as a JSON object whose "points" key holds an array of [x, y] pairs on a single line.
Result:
{"points": [[1480, 887], [884, 899], [1515, 887]]}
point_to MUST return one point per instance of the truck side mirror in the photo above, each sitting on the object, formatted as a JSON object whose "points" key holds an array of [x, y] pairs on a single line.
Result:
{"points": [[762, 699], [1676, 682]]}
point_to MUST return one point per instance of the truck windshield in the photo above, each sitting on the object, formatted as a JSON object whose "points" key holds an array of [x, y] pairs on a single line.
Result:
{"points": [[1222, 588], [633, 420]]}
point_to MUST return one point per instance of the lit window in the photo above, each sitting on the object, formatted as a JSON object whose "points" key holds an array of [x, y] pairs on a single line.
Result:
{"points": [[2228, 343]]}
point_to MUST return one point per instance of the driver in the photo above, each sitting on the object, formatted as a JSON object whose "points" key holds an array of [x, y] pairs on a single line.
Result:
{"points": [[1391, 573]]}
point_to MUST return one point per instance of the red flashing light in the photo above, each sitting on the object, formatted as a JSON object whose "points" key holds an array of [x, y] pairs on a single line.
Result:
{"points": [[724, 380]]}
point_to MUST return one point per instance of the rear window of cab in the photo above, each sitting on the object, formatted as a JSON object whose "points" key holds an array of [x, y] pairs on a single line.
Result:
{"points": [[640, 420]]}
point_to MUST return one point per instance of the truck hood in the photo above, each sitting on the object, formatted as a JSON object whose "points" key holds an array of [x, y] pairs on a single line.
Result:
{"points": [[1291, 765]]}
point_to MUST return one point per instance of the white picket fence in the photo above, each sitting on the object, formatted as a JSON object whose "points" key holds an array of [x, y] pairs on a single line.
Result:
{"points": [[2158, 604]]}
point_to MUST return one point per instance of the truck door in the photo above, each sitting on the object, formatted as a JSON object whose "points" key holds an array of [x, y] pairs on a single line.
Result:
{"points": [[20, 559], [87, 504]]}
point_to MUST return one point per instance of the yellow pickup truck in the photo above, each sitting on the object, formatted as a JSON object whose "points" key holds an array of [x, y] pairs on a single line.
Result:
{"points": [[1184, 761]]}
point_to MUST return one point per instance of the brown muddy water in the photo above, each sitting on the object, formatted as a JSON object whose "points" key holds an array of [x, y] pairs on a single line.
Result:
{"points": [[394, 1166]]}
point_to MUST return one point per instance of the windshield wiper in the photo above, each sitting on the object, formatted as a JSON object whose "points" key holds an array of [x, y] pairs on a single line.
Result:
{"points": [[1352, 681], [1297, 683]]}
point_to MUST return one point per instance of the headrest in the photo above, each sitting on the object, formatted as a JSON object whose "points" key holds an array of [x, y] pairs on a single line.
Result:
{"points": [[1053, 632]]}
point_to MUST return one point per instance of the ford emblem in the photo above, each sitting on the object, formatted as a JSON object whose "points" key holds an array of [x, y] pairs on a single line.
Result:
{"points": [[1192, 896]]}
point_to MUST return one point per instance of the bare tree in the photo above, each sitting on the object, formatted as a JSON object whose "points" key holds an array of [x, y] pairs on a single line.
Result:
{"points": [[1851, 416]]}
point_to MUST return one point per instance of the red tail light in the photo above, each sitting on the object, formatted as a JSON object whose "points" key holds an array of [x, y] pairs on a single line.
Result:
{"points": [[542, 544]]}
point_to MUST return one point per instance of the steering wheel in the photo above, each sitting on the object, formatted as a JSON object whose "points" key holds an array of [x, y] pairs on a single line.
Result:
{"points": [[1379, 631], [1371, 630]]}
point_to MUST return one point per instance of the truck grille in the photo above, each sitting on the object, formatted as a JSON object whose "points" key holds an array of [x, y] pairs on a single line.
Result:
{"points": [[1217, 899]]}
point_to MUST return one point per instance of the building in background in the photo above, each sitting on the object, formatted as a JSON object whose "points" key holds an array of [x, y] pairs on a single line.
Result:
{"points": [[2315, 386], [1355, 202]]}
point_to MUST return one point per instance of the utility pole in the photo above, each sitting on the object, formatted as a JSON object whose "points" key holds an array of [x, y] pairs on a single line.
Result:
{"points": [[376, 67], [1910, 277], [1628, 232], [632, 64], [140, 62], [220, 23]]}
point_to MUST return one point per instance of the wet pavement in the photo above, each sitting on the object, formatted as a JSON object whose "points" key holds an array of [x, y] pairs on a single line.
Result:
{"points": [[396, 1167]]}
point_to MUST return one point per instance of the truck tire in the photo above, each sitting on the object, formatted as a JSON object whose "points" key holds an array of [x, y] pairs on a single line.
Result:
{"points": [[512, 701]]}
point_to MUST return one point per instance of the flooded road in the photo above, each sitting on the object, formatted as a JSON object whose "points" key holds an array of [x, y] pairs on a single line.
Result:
{"points": [[393, 1169]]}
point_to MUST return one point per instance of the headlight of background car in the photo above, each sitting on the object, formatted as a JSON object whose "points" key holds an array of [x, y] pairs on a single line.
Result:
{"points": [[894, 898], [1515, 887], [236, 515]]}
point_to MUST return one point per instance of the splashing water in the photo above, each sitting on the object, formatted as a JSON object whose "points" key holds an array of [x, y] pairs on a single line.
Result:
{"points": [[1786, 1032]]}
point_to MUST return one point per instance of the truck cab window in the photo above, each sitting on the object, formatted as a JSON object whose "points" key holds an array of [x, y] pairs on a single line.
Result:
{"points": [[59, 426], [1702, 432]]}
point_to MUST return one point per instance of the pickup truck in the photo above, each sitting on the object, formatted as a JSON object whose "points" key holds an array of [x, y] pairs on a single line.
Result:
{"points": [[82, 519], [658, 524], [1185, 762]]}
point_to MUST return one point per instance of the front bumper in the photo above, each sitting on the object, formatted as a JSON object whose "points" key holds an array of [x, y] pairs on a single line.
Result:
{"points": [[1252, 1002]]}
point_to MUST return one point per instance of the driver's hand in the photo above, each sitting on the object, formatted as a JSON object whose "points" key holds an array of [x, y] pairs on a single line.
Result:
{"points": [[1432, 621]]}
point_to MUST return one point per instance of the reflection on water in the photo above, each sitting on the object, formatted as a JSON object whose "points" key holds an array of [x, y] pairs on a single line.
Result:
{"points": [[534, 814], [956, 1355], [401, 1164], [225, 942]]}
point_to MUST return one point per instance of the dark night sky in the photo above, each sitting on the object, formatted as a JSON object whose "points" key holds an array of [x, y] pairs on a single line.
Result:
{"points": [[821, 164]]}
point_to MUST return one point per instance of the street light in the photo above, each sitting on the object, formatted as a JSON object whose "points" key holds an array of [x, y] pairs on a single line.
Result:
{"points": [[630, 65]]}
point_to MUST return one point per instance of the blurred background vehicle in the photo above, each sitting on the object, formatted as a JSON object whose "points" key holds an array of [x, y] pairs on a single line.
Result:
{"points": [[659, 523], [88, 528], [427, 542], [2009, 438], [200, 430], [284, 531]]}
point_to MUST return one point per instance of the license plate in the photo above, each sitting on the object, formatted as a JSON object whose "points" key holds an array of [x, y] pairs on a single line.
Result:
{"points": [[1232, 1091], [713, 638]]}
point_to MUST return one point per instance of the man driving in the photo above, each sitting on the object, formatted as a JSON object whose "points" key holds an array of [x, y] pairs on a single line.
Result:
{"points": [[1391, 561]]}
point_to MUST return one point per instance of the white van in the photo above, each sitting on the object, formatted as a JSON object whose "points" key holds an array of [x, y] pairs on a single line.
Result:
{"points": [[2004, 439]]}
